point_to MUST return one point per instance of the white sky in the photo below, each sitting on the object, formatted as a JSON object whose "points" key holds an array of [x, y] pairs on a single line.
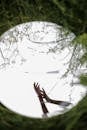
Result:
{"points": [[29, 62]]}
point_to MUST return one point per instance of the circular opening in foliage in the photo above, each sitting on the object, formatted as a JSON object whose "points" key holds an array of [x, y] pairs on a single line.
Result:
{"points": [[38, 52]]}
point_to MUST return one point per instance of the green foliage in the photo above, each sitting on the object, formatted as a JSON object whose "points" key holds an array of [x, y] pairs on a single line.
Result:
{"points": [[83, 79], [83, 59], [71, 14], [81, 39], [75, 119], [74, 13]]}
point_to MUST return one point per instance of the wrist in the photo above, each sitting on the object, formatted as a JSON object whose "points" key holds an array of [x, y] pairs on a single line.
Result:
{"points": [[48, 99], [42, 102], [39, 96]]}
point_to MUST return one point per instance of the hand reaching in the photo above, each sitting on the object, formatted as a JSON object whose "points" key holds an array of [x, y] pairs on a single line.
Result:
{"points": [[37, 89], [41, 93], [44, 95]]}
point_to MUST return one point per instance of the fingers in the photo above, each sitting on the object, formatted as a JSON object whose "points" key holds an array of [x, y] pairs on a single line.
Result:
{"points": [[37, 88], [39, 92], [44, 91], [44, 95], [36, 85]]}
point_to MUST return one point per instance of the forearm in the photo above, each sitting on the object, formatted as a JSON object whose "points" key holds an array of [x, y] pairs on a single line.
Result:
{"points": [[57, 102], [44, 108], [54, 101]]}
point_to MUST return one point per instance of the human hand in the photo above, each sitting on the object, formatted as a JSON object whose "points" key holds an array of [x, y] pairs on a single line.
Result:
{"points": [[37, 89], [44, 95]]}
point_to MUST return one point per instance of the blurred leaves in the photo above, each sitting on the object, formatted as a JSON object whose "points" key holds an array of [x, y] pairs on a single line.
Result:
{"points": [[71, 14], [83, 59], [83, 79], [81, 39]]}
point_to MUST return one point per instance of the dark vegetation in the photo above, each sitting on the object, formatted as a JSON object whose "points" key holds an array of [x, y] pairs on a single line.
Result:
{"points": [[71, 14], [75, 119]]}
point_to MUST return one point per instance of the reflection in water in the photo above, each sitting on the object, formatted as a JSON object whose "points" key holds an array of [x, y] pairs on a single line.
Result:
{"points": [[37, 52]]}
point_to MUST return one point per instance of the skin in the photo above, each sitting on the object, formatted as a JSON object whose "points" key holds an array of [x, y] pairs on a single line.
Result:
{"points": [[42, 95], [38, 91], [57, 102]]}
